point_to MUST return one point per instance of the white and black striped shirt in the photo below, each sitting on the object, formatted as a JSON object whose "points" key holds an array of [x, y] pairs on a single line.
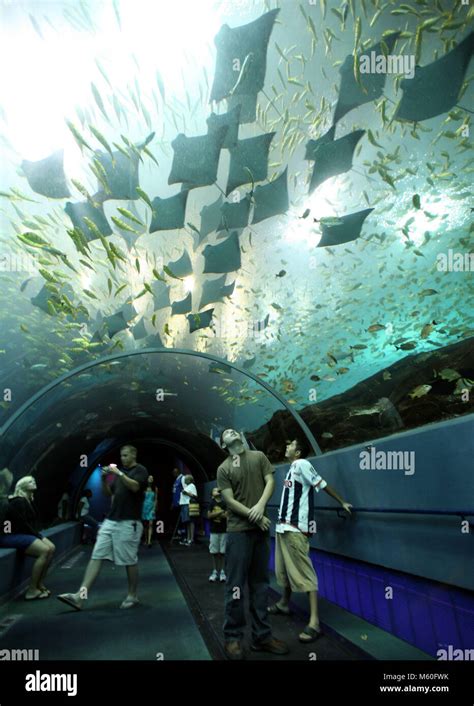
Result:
{"points": [[297, 499]]}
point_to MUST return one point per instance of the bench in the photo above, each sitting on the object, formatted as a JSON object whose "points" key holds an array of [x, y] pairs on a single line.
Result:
{"points": [[15, 567]]}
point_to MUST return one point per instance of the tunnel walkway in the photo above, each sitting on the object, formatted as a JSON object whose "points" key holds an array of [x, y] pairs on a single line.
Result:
{"points": [[161, 625], [180, 616]]}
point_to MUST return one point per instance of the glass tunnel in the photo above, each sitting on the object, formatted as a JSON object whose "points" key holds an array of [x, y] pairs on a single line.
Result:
{"points": [[250, 216]]}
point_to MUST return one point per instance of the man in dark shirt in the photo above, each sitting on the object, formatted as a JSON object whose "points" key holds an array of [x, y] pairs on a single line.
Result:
{"points": [[246, 481], [119, 536]]}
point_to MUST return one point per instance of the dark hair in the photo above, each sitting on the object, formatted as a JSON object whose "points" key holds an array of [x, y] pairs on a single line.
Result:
{"points": [[87, 493], [131, 448], [303, 447]]}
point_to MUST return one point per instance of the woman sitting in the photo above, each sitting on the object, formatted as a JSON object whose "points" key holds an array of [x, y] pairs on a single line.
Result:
{"points": [[22, 531]]}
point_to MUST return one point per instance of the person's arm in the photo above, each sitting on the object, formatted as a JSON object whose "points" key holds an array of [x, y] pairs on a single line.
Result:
{"points": [[105, 486], [330, 491], [233, 504], [129, 483], [257, 512]]}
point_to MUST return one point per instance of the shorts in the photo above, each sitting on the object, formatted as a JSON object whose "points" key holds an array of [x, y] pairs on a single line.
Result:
{"points": [[184, 516], [118, 541], [17, 541], [217, 542], [293, 566]]}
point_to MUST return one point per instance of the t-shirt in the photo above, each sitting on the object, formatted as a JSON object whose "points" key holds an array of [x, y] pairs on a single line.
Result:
{"points": [[218, 524], [127, 505], [177, 488], [297, 499], [245, 476], [185, 499]]}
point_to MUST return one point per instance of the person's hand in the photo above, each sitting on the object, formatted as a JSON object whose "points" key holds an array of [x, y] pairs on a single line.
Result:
{"points": [[113, 469], [256, 513], [264, 524], [346, 507]]}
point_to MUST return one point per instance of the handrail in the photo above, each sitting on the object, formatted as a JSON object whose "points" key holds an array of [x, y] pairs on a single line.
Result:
{"points": [[400, 511]]}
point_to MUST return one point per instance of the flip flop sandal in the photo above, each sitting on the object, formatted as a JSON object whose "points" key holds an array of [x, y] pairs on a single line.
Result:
{"points": [[39, 596], [276, 610], [312, 634], [46, 590]]}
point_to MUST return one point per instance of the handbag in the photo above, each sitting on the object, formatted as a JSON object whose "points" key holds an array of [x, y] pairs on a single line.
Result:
{"points": [[194, 509]]}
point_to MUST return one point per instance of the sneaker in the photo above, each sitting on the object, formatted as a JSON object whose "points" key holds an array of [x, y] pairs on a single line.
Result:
{"points": [[213, 576], [222, 577], [71, 600], [129, 602]]}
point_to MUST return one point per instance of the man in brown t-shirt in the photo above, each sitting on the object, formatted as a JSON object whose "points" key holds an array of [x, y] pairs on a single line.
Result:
{"points": [[246, 481]]}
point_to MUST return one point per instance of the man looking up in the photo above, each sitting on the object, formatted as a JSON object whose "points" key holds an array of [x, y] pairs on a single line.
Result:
{"points": [[246, 482]]}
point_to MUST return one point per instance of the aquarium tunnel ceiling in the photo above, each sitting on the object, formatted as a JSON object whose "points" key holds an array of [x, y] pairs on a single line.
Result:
{"points": [[285, 187]]}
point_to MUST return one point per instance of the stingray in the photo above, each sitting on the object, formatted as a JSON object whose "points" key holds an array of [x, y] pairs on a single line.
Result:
{"points": [[161, 295], [154, 341], [271, 199], [435, 88], [115, 323], [332, 158], [200, 320], [215, 290], [224, 257], [139, 330], [210, 217], [351, 95], [247, 364], [235, 215], [312, 145], [47, 177], [121, 175], [346, 231], [183, 306], [170, 213], [233, 47], [182, 267], [196, 159], [249, 161], [129, 311], [248, 107], [230, 120], [77, 212]]}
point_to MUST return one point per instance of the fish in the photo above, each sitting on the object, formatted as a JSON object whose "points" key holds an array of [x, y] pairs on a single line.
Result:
{"points": [[419, 391], [282, 273], [406, 346], [375, 327]]}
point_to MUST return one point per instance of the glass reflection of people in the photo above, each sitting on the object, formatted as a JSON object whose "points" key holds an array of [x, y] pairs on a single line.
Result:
{"points": [[293, 566], [119, 536], [25, 535], [246, 481], [149, 510], [83, 511], [188, 494]]}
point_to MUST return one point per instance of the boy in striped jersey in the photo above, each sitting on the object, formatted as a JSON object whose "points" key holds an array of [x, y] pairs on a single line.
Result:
{"points": [[293, 567]]}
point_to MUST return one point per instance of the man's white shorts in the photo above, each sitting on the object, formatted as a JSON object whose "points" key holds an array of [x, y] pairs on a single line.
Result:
{"points": [[217, 542], [118, 541]]}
